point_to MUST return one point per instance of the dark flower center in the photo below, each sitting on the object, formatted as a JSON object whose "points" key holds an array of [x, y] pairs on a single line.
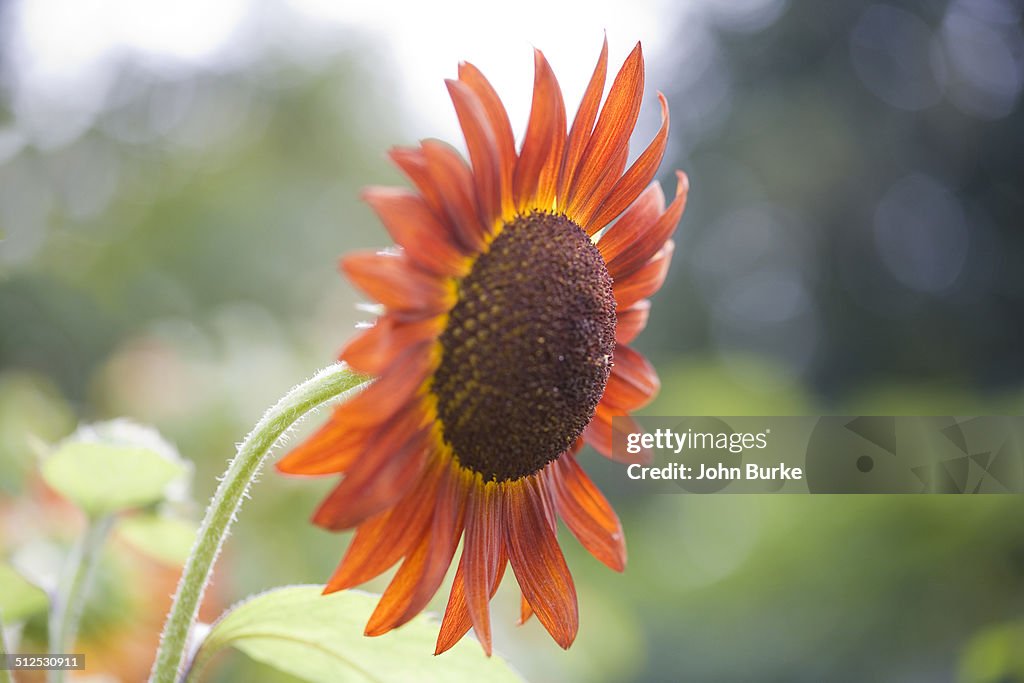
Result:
{"points": [[527, 349]]}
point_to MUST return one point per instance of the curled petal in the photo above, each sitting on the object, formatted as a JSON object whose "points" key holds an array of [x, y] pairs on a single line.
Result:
{"points": [[413, 163]]}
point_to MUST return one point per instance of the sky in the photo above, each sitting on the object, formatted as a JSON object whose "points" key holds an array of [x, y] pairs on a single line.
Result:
{"points": [[64, 50]]}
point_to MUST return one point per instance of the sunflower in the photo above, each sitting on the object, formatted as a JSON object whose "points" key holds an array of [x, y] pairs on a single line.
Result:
{"points": [[502, 348]]}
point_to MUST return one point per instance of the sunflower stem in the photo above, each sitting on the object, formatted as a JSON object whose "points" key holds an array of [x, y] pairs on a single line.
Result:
{"points": [[336, 381], [69, 603]]}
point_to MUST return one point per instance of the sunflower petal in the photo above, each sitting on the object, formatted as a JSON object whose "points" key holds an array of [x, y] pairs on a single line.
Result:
{"points": [[382, 399], [423, 571], [583, 124], [538, 563], [649, 239], [383, 539], [374, 350], [645, 281], [482, 146], [454, 182], [633, 382], [588, 514], [632, 321], [639, 175], [456, 622], [500, 127], [394, 282], [610, 139], [601, 432], [642, 214], [415, 227], [540, 159], [413, 163], [330, 450], [374, 484]]}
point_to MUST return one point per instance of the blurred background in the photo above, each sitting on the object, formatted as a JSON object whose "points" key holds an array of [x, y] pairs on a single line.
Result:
{"points": [[177, 180]]}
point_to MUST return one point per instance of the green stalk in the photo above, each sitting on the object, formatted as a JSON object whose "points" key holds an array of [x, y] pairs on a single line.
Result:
{"points": [[70, 601], [336, 381]]}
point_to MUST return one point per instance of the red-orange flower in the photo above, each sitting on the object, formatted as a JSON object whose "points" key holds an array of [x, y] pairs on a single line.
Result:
{"points": [[502, 348]]}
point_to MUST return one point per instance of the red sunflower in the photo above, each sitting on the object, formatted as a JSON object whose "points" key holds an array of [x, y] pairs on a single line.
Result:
{"points": [[502, 349]]}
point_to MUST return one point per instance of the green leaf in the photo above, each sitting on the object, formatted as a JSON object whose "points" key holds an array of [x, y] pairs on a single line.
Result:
{"points": [[320, 638], [19, 598], [165, 539], [103, 478]]}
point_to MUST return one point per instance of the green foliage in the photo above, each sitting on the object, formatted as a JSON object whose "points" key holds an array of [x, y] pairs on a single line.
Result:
{"points": [[106, 478], [19, 598], [320, 638]]}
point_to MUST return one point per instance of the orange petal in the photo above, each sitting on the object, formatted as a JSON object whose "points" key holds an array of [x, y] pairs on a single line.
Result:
{"points": [[639, 175], [454, 183], [645, 281], [391, 462], [633, 382], [456, 622], [643, 213], [374, 350], [483, 149], [330, 450], [382, 399], [382, 540], [394, 282], [537, 561], [651, 237], [599, 434], [632, 321], [587, 513], [423, 571], [610, 139], [583, 124], [540, 160], [482, 549], [413, 163], [413, 225], [500, 127], [525, 611]]}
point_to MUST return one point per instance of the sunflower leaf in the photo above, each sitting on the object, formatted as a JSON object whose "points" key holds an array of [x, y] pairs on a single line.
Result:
{"points": [[319, 638], [103, 478], [165, 539], [19, 597]]}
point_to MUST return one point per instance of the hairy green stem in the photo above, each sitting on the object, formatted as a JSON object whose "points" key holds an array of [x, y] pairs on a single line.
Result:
{"points": [[69, 602], [334, 382]]}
